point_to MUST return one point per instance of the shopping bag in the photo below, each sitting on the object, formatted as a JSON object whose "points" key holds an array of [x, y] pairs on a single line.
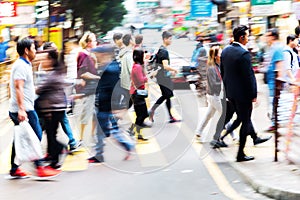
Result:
{"points": [[27, 145]]}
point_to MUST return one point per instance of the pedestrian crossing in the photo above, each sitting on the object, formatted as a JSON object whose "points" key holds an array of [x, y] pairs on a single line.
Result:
{"points": [[167, 142]]}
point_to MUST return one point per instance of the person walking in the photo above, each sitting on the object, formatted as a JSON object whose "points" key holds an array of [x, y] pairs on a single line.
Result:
{"points": [[52, 105], [21, 104], [240, 85], [126, 67], [64, 121], [138, 81], [276, 63], [87, 72], [106, 102], [163, 78], [214, 95]]}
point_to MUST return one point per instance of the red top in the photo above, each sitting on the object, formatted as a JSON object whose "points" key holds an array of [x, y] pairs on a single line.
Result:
{"points": [[138, 78]]}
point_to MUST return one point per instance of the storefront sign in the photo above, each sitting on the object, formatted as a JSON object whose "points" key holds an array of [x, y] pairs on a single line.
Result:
{"points": [[8, 9], [24, 16], [201, 8], [296, 9], [262, 2]]}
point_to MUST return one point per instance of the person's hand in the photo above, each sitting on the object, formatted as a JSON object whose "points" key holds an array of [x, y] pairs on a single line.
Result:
{"points": [[22, 115], [174, 72], [82, 83], [256, 102]]}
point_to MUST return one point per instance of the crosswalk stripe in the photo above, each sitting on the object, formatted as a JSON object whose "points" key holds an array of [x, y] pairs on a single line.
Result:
{"points": [[77, 161]]}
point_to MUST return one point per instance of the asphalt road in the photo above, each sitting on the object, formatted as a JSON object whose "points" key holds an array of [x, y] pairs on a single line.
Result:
{"points": [[171, 166]]}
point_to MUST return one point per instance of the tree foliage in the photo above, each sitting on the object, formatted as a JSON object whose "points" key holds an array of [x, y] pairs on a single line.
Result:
{"points": [[98, 15]]}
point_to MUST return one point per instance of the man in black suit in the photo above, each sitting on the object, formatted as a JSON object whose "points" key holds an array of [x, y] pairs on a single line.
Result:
{"points": [[240, 85]]}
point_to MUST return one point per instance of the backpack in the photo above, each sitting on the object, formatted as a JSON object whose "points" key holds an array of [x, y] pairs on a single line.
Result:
{"points": [[153, 67]]}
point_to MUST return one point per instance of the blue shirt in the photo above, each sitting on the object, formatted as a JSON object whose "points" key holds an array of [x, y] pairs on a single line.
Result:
{"points": [[3, 47], [276, 55]]}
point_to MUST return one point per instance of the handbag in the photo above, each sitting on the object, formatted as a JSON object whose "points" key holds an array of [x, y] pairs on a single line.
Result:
{"points": [[142, 93]]}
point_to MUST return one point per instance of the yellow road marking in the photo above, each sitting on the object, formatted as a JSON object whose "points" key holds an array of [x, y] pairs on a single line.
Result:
{"points": [[149, 152], [76, 162]]}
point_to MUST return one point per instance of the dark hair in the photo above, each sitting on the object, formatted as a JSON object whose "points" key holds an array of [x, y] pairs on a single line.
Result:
{"points": [[291, 37], [23, 44], [166, 35], [297, 30], [138, 56], [239, 31], [138, 39], [117, 36], [47, 45], [126, 39], [273, 32], [53, 55]]}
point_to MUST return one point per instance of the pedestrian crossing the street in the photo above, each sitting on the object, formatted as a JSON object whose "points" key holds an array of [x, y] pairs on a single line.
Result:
{"points": [[167, 142]]}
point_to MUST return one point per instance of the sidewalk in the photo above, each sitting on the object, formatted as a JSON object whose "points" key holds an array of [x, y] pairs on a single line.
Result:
{"points": [[278, 180]]}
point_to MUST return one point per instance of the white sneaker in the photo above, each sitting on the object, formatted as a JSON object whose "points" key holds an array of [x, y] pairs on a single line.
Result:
{"points": [[148, 123]]}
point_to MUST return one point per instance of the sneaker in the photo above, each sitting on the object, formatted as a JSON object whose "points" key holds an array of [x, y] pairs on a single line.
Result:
{"points": [[19, 174], [173, 120], [94, 160], [47, 171], [75, 146], [141, 138], [147, 123]]}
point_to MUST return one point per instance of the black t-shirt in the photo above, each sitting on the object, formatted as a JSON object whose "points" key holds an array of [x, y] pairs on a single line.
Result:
{"points": [[162, 75]]}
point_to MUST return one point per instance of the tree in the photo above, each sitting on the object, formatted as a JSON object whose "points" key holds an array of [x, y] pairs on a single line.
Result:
{"points": [[98, 15]]}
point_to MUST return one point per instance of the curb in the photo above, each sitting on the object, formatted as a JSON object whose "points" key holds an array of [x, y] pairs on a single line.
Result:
{"points": [[264, 189]]}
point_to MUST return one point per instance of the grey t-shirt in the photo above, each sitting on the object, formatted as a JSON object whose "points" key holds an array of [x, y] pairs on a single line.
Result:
{"points": [[22, 70]]}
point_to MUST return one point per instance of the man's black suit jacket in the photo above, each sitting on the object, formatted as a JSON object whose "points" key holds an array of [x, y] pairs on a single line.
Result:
{"points": [[237, 73]]}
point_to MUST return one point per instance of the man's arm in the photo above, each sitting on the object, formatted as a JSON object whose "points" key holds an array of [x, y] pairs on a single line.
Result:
{"points": [[19, 86], [279, 68], [167, 67]]}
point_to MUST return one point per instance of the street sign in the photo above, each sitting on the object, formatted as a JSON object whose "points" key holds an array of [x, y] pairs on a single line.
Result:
{"points": [[201, 8]]}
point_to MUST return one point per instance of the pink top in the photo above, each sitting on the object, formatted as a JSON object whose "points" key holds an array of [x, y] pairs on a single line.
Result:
{"points": [[138, 78]]}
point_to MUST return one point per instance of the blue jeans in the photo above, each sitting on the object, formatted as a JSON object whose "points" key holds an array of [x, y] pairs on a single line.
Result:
{"points": [[67, 129], [35, 124], [108, 126]]}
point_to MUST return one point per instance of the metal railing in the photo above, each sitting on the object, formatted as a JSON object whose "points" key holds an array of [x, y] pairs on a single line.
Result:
{"points": [[287, 131]]}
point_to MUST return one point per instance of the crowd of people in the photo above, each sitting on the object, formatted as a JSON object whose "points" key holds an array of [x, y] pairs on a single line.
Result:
{"points": [[109, 79]]}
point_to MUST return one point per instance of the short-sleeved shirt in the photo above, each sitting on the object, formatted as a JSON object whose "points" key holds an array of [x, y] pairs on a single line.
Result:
{"points": [[3, 47], [276, 55], [163, 76], [22, 70], [290, 62]]}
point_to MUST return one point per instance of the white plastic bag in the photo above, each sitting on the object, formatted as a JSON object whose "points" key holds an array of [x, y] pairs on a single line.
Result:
{"points": [[27, 145]]}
